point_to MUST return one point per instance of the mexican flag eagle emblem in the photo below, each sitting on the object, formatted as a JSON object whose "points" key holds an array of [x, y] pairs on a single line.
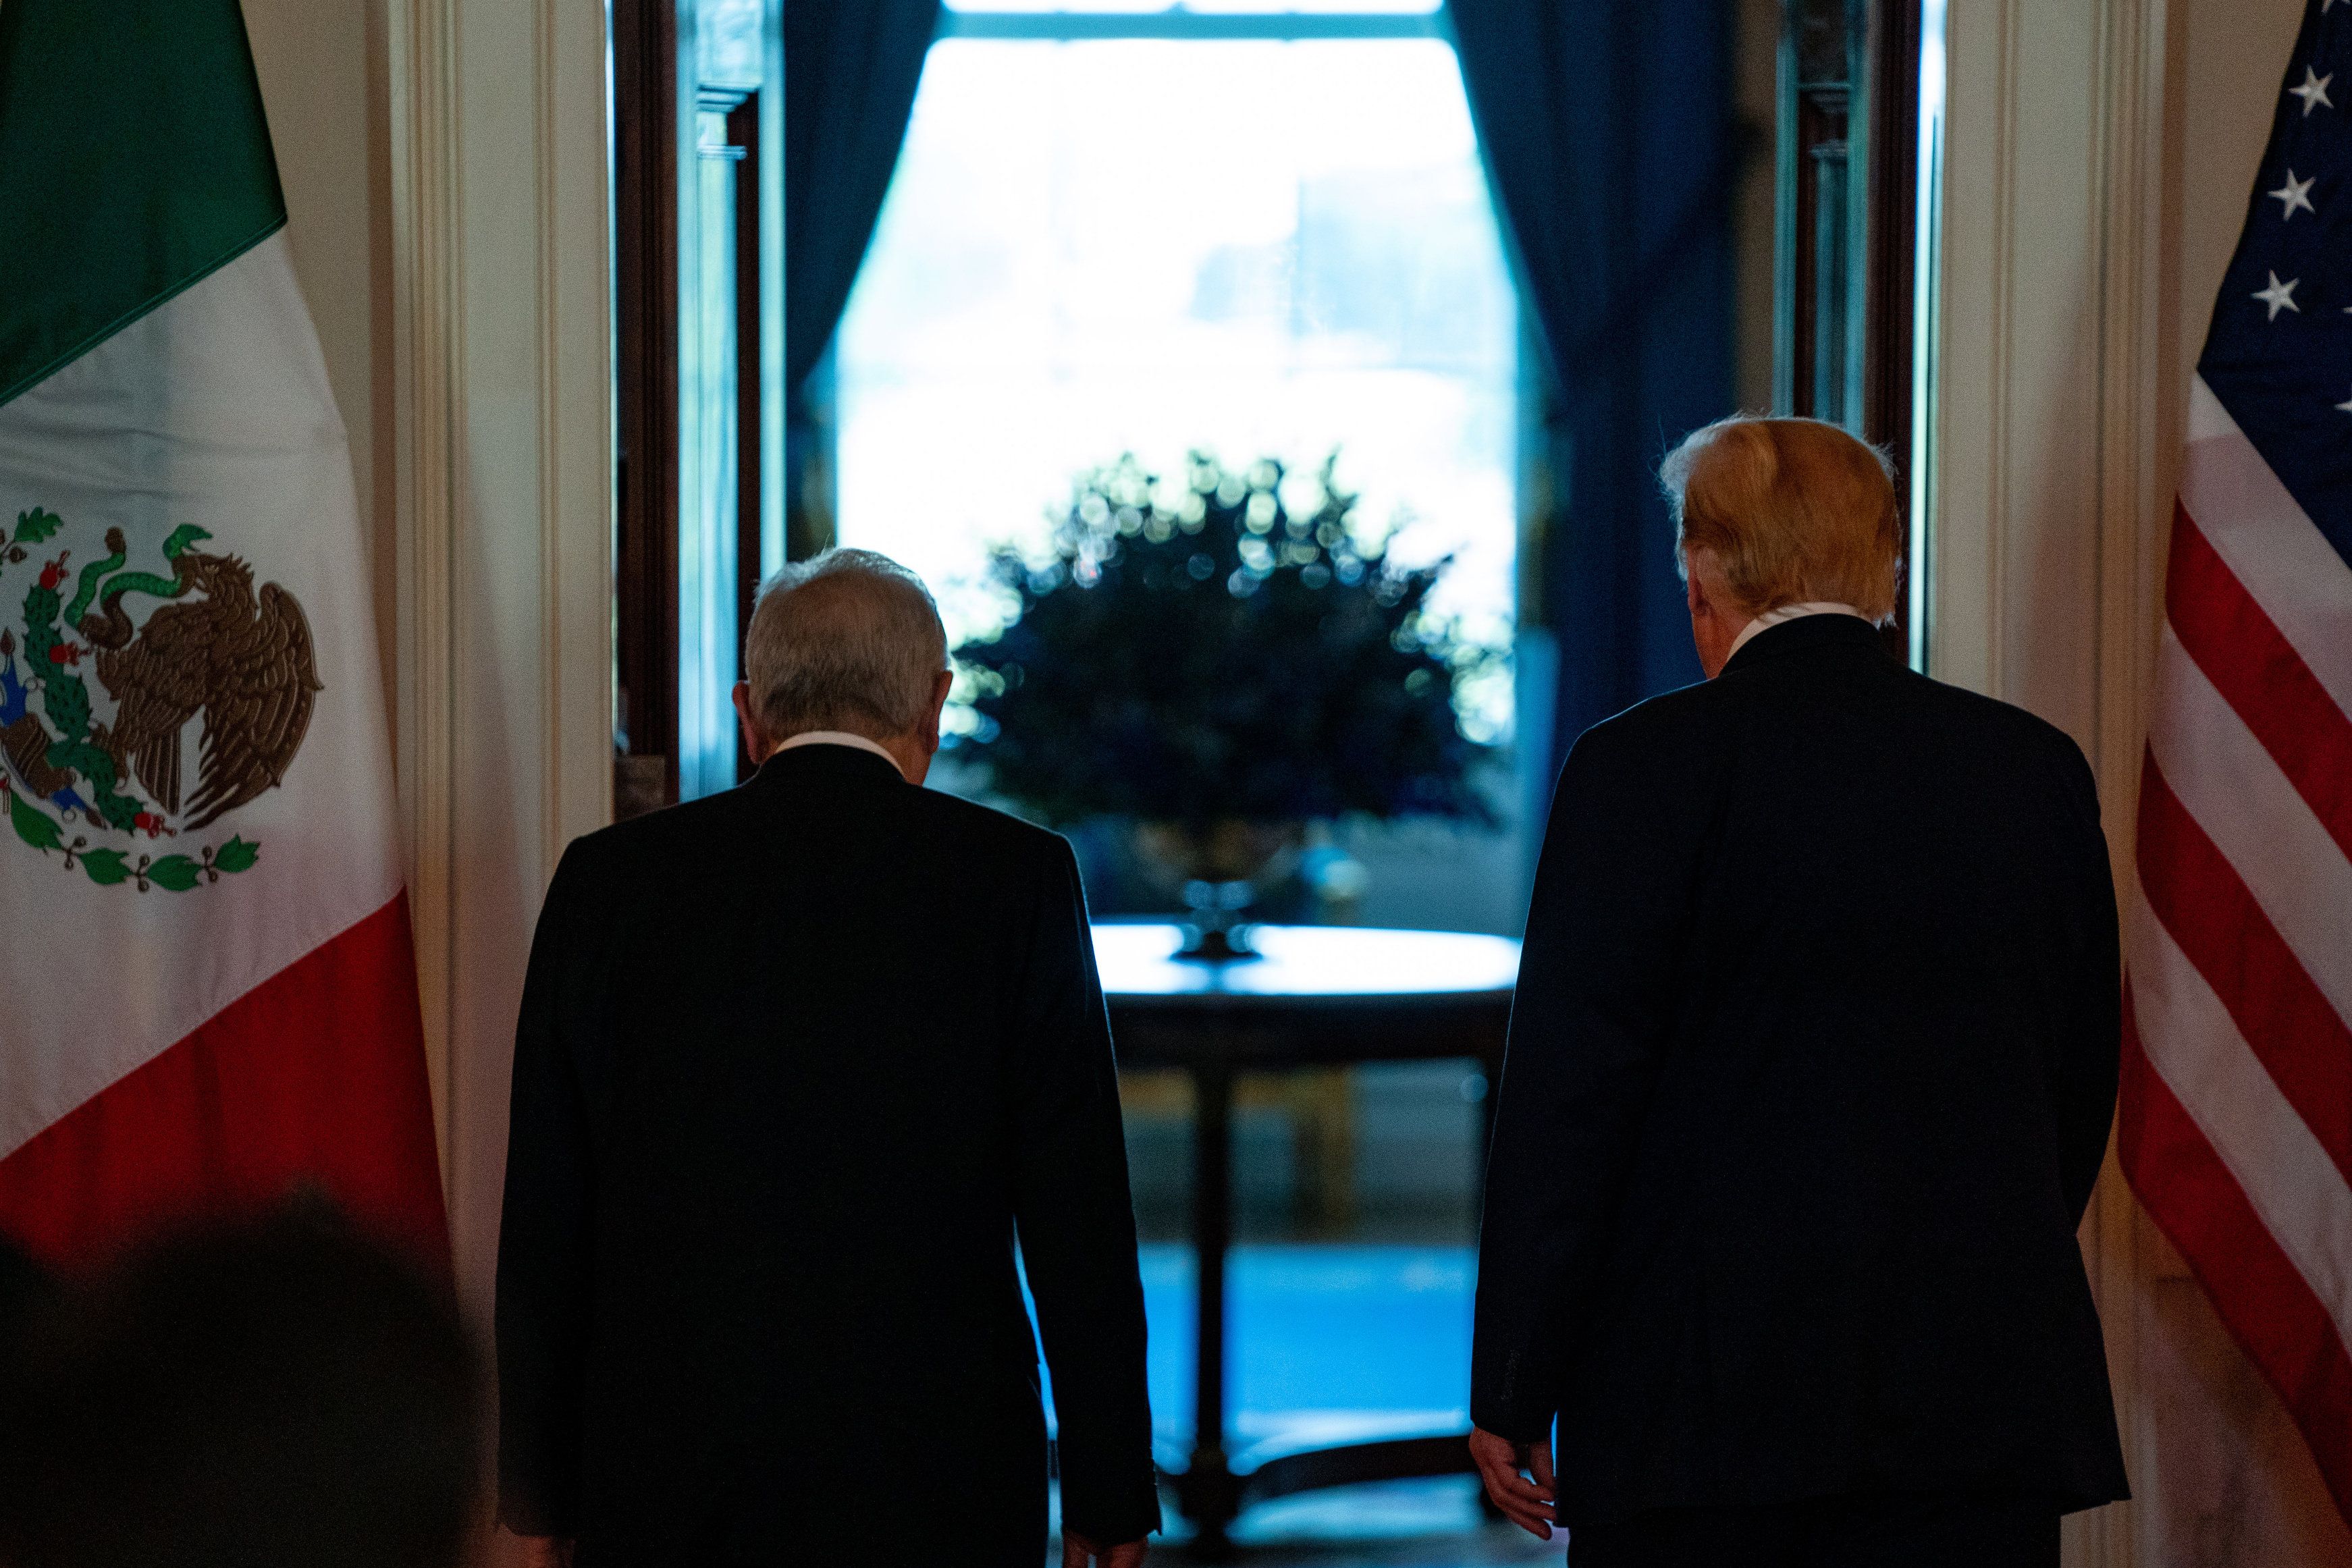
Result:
{"points": [[209, 649], [210, 994]]}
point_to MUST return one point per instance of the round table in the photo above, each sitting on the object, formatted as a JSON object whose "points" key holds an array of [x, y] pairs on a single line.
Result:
{"points": [[1317, 996]]}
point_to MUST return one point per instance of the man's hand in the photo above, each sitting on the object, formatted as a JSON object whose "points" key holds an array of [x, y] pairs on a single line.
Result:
{"points": [[546, 1550], [1507, 1467], [1077, 1552]]}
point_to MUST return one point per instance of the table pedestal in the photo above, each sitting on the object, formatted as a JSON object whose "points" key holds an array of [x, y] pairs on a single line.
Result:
{"points": [[1320, 999], [1208, 1493], [1208, 1490]]}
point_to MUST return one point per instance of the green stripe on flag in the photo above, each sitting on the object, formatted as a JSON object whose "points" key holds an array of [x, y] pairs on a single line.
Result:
{"points": [[134, 159]]}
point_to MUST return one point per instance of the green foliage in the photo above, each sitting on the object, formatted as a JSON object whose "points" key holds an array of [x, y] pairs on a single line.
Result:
{"points": [[109, 867], [97, 770], [41, 606], [1228, 644], [33, 825], [37, 525], [174, 874], [67, 701], [106, 867]]}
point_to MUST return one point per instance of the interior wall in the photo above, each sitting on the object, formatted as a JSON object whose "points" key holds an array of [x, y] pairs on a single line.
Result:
{"points": [[502, 415], [2099, 158], [445, 170]]}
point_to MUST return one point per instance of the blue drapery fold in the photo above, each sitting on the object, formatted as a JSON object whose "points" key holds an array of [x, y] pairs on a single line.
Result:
{"points": [[1609, 140], [850, 67]]}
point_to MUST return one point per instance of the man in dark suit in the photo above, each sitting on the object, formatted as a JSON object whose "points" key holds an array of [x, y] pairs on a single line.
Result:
{"points": [[797, 1065], [1810, 1077]]}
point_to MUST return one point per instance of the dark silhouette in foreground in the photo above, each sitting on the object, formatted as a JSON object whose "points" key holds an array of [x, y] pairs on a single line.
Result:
{"points": [[275, 1391]]}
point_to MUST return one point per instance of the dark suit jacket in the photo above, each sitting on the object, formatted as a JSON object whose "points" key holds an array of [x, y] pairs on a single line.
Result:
{"points": [[796, 1064], [1810, 1075]]}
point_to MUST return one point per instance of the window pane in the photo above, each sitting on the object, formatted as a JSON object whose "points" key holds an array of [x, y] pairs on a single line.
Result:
{"points": [[1202, 7], [1259, 248], [1121, 7]]}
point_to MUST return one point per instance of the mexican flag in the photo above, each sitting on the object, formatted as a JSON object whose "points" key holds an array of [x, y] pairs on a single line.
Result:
{"points": [[208, 992]]}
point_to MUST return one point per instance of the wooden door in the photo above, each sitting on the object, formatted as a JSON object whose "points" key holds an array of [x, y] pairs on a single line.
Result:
{"points": [[1843, 323]]}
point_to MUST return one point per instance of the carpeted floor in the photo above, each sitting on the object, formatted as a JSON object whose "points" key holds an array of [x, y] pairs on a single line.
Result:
{"points": [[1330, 1343], [1397, 1524]]}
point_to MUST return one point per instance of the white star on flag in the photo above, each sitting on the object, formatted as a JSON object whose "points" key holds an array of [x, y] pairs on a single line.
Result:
{"points": [[2314, 91], [2294, 193], [2345, 405], [2280, 295]]}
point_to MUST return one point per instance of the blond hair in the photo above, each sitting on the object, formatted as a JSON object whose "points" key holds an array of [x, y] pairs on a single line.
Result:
{"points": [[1793, 510]]}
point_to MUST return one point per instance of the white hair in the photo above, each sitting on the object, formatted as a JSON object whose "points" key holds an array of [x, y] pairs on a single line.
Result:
{"points": [[850, 641]]}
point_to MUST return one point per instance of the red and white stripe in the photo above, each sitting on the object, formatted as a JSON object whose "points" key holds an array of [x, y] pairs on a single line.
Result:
{"points": [[2236, 1122]]}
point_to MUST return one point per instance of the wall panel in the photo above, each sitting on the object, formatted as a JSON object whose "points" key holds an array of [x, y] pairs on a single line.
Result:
{"points": [[501, 421]]}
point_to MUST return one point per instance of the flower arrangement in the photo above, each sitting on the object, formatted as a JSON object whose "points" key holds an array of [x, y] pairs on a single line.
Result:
{"points": [[1223, 647]]}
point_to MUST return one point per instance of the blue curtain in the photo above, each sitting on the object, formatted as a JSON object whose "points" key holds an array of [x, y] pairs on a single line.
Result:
{"points": [[850, 67], [1608, 133]]}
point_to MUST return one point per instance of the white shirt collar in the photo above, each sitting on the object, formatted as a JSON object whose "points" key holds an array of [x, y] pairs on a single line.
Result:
{"points": [[1785, 612], [840, 738]]}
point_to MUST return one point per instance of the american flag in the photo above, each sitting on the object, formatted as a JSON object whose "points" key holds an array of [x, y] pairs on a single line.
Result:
{"points": [[2237, 1099]]}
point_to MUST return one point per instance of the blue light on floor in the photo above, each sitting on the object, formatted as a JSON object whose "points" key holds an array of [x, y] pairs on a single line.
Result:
{"points": [[1331, 1344], [1327, 1344]]}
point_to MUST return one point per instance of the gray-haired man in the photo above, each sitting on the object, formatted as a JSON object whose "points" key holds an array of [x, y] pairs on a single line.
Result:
{"points": [[797, 1063]]}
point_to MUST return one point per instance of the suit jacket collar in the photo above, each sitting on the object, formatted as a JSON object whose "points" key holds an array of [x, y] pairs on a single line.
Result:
{"points": [[844, 764], [1847, 632]]}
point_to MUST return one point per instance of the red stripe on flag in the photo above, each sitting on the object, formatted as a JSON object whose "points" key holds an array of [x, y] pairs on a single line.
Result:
{"points": [[2290, 1026], [2259, 673], [316, 1077], [2265, 1303]]}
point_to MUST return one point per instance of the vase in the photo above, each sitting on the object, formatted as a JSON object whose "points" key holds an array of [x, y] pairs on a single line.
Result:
{"points": [[1216, 865]]}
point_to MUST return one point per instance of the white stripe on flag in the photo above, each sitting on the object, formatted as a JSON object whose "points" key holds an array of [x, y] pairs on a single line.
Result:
{"points": [[2288, 1179], [2256, 817], [2269, 543], [212, 408]]}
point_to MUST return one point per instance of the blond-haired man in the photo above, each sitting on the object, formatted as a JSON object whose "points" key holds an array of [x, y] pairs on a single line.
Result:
{"points": [[1810, 1077]]}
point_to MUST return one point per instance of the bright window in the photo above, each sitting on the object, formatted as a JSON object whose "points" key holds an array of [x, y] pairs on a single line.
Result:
{"points": [[1258, 247]]}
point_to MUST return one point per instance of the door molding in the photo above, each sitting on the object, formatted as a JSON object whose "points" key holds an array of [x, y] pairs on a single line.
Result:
{"points": [[502, 427], [2051, 462]]}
